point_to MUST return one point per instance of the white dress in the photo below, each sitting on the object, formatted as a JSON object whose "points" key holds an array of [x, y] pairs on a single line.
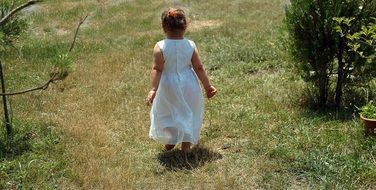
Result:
{"points": [[178, 107]]}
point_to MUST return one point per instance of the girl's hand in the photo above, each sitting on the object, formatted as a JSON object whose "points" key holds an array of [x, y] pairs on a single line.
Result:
{"points": [[150, 98], [210, 91]]}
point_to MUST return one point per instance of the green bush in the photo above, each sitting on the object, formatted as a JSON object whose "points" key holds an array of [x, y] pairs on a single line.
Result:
{"points": [[362, 42], [324, 56], [11, 30]]}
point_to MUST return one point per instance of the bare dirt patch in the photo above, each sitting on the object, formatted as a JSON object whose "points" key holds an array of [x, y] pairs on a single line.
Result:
{"points": [[118, 2], [202, 24], [31, 10]]}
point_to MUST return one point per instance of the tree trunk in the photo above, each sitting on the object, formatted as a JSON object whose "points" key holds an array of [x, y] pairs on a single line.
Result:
{"points": [[341, 76], [323, 90], [8, 126], [322, 83]]}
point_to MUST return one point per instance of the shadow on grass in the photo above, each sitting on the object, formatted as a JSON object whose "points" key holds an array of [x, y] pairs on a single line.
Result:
{"points": [[327, 114], [177, 160], [12, 148]]}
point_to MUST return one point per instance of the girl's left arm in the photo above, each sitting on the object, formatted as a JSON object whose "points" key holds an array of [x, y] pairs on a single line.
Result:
{"points": [[202, 75], [156, 73]]}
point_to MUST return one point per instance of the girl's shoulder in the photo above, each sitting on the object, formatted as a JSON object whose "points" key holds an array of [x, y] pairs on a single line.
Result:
{"points": [[162, 43], [192, 43]]}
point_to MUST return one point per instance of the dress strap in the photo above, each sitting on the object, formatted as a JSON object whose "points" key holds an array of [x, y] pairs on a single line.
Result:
{"points": [[192, 43], [161, 45]]}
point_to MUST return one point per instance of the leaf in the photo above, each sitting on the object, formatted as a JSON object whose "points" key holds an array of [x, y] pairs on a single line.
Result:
{"points": [[361, 54], [347, 21], [339, 30], [356, 46], [338, 19]]}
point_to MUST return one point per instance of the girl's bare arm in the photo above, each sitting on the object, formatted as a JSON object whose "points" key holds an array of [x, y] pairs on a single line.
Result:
{"points": [[156, 73], [198, 67]]}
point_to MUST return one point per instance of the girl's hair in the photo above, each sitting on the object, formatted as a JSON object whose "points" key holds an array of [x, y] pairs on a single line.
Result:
{"points": [[174, 20]]}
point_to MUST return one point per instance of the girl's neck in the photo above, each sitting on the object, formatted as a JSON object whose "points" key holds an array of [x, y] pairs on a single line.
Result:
{"points": [[175, 35], [175, 38]]}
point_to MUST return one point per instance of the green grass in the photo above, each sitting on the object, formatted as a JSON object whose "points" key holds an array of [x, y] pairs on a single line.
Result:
{"points": [[34, 159], [258, 131]]}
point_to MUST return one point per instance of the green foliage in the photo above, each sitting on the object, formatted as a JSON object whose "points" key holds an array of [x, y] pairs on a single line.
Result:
{"points": [[368, 110], [358, 40], [321, 47], [63, 65], [312, 43], [11, 30], [361, 45]]}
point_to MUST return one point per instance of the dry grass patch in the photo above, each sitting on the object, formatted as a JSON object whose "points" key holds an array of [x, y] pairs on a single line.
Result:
{"points": [[197, 25], [93, 109]]}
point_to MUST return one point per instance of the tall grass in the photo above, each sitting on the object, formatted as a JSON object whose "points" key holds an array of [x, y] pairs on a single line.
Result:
{"points": [[257, 133]]}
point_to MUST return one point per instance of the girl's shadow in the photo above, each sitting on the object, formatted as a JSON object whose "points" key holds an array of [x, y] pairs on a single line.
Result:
{"points": [[177, 160]]}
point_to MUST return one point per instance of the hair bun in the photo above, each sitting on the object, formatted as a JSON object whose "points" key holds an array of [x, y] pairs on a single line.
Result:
{"points": [[174, 20], [172, 13]]}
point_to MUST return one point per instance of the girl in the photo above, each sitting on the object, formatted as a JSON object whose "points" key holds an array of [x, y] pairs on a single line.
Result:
{"points": [[176, 98]]}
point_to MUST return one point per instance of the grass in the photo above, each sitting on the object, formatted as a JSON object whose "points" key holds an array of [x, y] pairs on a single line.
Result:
{"points": [[34, 159], [257, 132]]}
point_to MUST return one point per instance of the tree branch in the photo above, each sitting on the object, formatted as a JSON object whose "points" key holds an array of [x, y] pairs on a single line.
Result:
{"points": [[43, 87], [14, 11], [75, 35], [54, 77]]}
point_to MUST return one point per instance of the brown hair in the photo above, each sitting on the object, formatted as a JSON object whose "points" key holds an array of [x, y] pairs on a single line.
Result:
{"points": [[174, 20]]}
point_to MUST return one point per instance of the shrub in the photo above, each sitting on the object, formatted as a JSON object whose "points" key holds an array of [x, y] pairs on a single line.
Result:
{"points": [[358, 41], [324, 56]]}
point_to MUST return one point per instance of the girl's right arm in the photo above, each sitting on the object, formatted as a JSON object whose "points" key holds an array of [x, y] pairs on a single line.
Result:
{"points": [[156, 73], [201, 74]]}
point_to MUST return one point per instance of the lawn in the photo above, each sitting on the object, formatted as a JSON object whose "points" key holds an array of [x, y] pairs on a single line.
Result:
{"points": [[90, 131]]}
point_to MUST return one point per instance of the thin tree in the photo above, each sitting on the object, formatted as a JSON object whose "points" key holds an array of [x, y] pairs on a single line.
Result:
{"points": [[56, 75]]}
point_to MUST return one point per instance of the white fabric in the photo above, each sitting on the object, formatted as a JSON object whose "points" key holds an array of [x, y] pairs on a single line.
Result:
{"points": [[177, 111]]}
